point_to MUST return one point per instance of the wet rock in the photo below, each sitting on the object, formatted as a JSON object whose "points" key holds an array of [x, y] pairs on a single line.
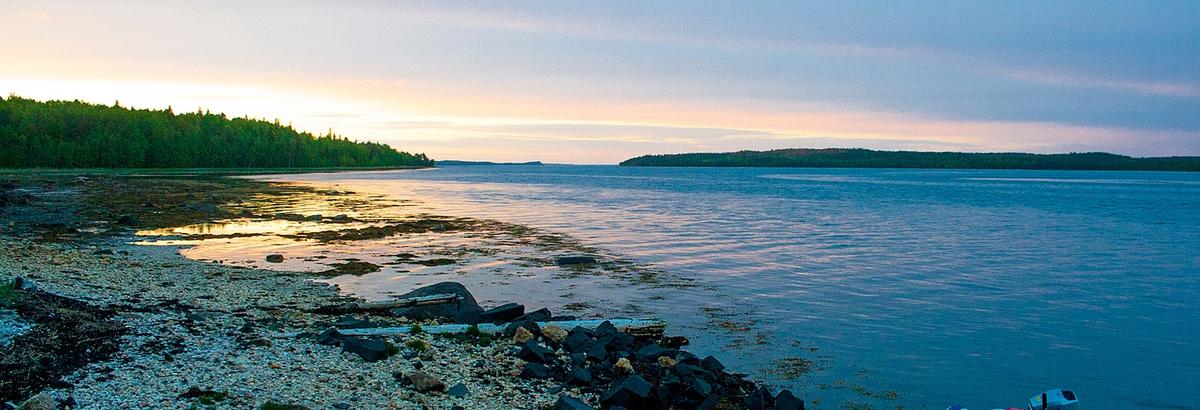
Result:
{"points": [[329, 337], [576, 260], [275, 258], [535, 371], [627, 392], [465, 311], [605, 329], [534, 352], [529, 325], [554, 333], [102, 252], [502, 313], [786, 401], [651, 352], [598, 352], [540, 315], [577, 341], [127, 220], [570, 403], [759, 400], [370, 350], [425, 383], [579, 376], [712, 364], [458, 390], [700, 387]]}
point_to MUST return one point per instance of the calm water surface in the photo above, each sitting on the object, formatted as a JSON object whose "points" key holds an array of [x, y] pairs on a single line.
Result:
{"points": [[947, 286]]}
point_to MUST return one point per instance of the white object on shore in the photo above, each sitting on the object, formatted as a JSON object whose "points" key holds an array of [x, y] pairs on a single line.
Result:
{"points": [[438, 299], [637, 327]]}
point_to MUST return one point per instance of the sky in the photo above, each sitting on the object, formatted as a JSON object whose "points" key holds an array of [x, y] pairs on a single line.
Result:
{"points": [[599, 82]]}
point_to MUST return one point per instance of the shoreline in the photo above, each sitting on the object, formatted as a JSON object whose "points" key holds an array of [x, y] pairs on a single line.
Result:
{"points": [[203, 333]]}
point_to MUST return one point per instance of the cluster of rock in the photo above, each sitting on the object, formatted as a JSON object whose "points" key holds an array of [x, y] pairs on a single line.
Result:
{"points": [[9, 194], [611, 368]]}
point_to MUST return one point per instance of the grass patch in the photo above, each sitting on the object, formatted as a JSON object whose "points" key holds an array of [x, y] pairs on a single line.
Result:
{"points": [[280, 406], [9, 297], [417, 344]]}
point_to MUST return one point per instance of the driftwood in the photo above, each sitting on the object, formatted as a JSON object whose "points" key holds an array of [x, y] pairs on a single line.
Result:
{"points": [[437, 299], [636, 327]]}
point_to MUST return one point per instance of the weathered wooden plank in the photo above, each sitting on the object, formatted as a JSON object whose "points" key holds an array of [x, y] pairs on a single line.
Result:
{"points": [[437, 299]]}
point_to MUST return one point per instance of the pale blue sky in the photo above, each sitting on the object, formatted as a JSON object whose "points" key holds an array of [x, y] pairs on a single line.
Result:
{"points": [[601, 81]]}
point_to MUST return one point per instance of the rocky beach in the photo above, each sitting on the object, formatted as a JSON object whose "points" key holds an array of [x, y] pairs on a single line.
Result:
{"points": [[91, 316]]}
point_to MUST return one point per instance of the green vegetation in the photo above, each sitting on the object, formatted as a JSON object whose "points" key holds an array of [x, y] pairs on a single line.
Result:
{"points": [[417, 344], [74, 134], [270, 405], [8, 296], [864, 158]]}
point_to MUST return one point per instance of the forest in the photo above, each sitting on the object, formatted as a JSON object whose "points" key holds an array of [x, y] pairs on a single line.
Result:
{"points": [[865, 158], [74, 134]]}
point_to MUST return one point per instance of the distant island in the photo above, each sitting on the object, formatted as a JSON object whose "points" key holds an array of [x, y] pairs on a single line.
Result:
{"points": [[865, 158], [74, 134], [457, 162]]}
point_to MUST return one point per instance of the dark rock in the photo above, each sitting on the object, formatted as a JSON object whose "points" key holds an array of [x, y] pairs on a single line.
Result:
{"points": [[371, 350], [628, 391], [458, 390], [24, 284], [700, 387], [579, 376], [570, 403], [687, 370], [329, 337], [574, 260], [102, 252], [425, 383], [650, 353], [534, 352], [674, 342], [535, 371], [759, 400], [351, 322], [622, 341], [605, 329], [577, 342], [502, 313], [465, 311], [341, 405], [598, 351], [712, 364], [529, 325], [709, 403], [577, 359], [127, 220], [563, 318], [786, 401], [540, 315], [274, 258]]}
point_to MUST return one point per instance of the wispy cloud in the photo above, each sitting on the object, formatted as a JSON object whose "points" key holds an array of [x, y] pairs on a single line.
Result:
{"points": [[1163, 88]]}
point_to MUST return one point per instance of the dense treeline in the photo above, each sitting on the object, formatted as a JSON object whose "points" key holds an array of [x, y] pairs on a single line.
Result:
{"points": [[864, 158], [74, 134]]}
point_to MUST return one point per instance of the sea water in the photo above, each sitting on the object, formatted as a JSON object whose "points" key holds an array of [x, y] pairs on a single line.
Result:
{"points": [[914, 288]]}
